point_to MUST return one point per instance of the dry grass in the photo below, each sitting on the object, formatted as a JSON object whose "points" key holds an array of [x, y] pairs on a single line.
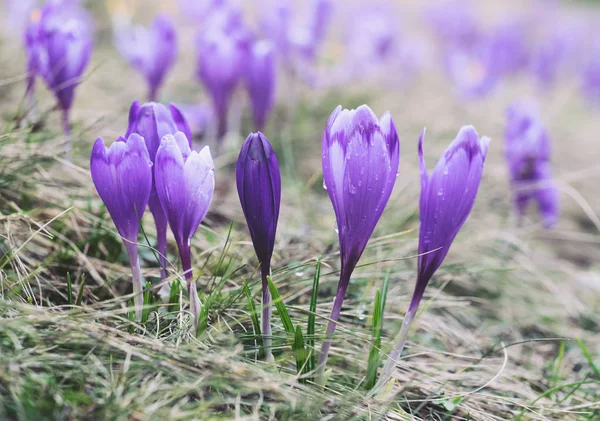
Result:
{"points": [[496, 337]]}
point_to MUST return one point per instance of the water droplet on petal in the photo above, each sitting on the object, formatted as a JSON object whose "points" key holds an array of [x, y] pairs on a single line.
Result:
{"points": [[324, 185]]}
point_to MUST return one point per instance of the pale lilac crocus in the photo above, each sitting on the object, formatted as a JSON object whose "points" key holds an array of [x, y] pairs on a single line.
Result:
{"points": [[152, 121], [360, 165], [259, 188], [60, 47], [185, 183], [527, 151], [122, 175], [152, 51], [260, 76], [447, 197]]}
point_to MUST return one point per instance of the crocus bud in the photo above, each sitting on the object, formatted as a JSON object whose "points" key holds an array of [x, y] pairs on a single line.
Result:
{"points": [[152, 121], [527, 151], [260, 76], [122, 175], [152, 51], [185, 182], [259, 188], [447, 197], [360, 164], [220, 64]]}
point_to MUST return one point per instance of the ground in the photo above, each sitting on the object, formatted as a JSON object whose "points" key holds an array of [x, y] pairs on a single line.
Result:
{"points": [[509, 327]]}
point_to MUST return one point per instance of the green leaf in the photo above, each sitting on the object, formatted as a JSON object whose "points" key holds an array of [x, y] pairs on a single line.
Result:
{"points": [[310, 330], [373, 363], [452, 404], [69, 289], [147, 303], [281, 309], [300, 352], [174, 292], [79, 299], [589, 358]]}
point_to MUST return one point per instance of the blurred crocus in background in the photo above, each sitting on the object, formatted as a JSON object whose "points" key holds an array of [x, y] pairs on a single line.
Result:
{"points": [[360, 164], [185, 183], [152, 121], [221, 57], [122, 175], [260, 73], [198, 117], [59, 48], [152, 51], [447, 197], [259, 188], [527, 151]]}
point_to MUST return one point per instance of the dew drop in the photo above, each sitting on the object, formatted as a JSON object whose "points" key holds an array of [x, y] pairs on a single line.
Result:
{"points": [[440, 192], [352, 188], [324, 185], [445, 170]]}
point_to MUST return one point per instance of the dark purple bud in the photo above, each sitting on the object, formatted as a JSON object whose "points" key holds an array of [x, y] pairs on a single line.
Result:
{"points": [[260, 76], [152, 51], [259, 188], [447, 197], [527, 151]]}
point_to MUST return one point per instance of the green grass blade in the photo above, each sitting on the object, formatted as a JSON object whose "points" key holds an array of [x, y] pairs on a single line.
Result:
{"points": [[384, 291], [299, 352], [147, 302], [69, 289], [373, 363], [281, 309], [174, 292], [310, 330], [589, 358], [255, 320]]}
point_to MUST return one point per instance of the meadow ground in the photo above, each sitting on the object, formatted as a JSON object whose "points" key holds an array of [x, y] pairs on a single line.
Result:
{"points": [[509, 327]]}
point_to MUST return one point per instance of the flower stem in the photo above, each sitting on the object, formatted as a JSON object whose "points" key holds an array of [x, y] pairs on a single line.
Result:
{"points": [[160, 220], [136, 274], [66, 125], [334, 316], [265, 319], [195, 304]]}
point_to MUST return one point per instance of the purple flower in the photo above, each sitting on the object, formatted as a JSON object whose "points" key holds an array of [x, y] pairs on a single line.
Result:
{"points": [[259, 188], [152, 121], [152, 51], [447, 197], [59, 44], [360, 164], [185, 182], [221, 59], [591, 75], [508, 43], [455, 23], [260, 75], [122, 175], [472, 70], [527, 150], [198, 117]]}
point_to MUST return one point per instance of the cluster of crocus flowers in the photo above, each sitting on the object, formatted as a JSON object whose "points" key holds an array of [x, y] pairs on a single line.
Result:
{"points": [[153, 121], [360, 164], [447, 197], [59, 46], [153, 165], [527, 151], [259, 188], [152, 51]]}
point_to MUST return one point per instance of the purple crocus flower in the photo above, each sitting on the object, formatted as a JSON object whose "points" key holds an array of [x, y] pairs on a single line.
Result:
{"points": [[472, 70], [260, 77], [221, 60], [455, 23], [122, 175], [591, 74], [152, 51], [508, 43], [198, 117], [152, 121], [447, 197], [259, 188], [360, 164], [185, 182], [61, 42], [527, 150]]}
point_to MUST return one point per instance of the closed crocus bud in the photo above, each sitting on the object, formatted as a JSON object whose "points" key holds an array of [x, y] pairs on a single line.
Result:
{"points": [[259, 188], [64, 50], [447, 197], [260, 76], [527, 151], [152, 51], [220, 64], [152, 121], [360, 165], [185, 182], [122, 175]]}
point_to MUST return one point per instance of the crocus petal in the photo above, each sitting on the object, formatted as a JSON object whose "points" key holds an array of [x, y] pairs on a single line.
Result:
{"points": [[123, 178], [180, 122], [447, 199]]}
